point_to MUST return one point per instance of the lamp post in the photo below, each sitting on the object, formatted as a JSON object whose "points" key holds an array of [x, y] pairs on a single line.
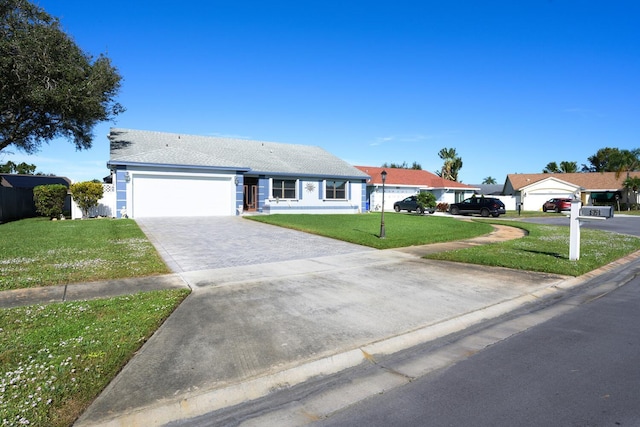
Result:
{"points": [[383, 174]]}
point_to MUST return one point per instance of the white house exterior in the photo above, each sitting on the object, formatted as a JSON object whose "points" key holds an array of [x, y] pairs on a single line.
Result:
{"points": [[600, 188], [401, 183], [532, 196], [163, 174]]}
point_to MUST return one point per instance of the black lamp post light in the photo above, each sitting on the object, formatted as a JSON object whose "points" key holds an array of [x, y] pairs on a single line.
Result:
{"points": [[383, 174]]}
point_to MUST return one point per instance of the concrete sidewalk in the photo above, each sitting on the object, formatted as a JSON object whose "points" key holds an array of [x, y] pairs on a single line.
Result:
{"points": [[247, 331]]}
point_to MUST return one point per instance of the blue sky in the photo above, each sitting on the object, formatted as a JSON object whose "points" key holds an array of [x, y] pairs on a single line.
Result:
{"points": [[511, 85]]}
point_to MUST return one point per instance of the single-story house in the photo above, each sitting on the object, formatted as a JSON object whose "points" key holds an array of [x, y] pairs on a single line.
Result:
{"points": [[401, 183], [532, 190], [168, 174]]}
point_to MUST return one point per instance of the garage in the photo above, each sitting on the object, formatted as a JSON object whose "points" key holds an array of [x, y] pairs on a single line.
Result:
{"points": [[181, 195]]}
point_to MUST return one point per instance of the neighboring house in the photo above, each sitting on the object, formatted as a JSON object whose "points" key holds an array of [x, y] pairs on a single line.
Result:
{"points": [[489, 189], [532, 190], [16, 194], [166, 174], [401, 183]]}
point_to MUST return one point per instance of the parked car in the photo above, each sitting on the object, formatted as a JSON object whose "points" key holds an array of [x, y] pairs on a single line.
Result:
{"points": [[557, 205], [484, 206], [410, 204]]}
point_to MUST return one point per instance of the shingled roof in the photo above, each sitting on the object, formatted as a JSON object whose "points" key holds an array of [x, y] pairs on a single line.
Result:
{"points": [[31, 181], [591, 181], [138, 147], [411, 177]]}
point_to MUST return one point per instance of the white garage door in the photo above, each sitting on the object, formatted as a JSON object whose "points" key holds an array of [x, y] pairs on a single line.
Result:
{"points": [[534, 201], [162, 196]]}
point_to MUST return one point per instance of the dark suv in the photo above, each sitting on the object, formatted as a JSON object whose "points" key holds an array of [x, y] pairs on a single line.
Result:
{"points": [[410, 204], [557, 205], [484, 206]]}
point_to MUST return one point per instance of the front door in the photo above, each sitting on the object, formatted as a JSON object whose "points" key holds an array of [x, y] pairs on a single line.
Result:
{"points": [[250, 194]]}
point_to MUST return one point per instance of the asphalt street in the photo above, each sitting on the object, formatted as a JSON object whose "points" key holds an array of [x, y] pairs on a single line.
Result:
{"points": [[620, 223], [578, 369]]}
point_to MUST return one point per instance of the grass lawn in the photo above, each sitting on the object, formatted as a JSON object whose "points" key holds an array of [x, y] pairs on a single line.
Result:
{"points": [[56, 358], [546, 249], [364, 229], [39, 252]]}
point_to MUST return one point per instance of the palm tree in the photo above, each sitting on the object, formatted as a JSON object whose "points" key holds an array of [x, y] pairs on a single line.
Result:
{"points": [[627, 161], [632, 183], [452, 164], [552, 167], [569, 167], [489, 180], [565, 167]]}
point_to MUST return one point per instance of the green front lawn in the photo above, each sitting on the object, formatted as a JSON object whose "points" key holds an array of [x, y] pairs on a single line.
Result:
{"points": [[364, 229], [56, 358], [546, 249], [39, 252]]}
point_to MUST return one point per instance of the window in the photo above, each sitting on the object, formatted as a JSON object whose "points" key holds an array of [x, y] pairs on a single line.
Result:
{"points": [[284, 189], [336, 189]]}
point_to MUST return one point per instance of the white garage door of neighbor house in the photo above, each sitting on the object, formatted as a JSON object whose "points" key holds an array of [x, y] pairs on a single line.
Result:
{"points": [[536, 200], [162, 196]]}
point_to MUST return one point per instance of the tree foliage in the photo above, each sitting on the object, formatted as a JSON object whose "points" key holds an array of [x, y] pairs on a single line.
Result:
{"points": [[452, 164], [403, 165], [565, 167], [49, 87], [49, 199], [613, 160], [489, 180], [426, 200], [20, 168], [86, 195], [632, 185]]}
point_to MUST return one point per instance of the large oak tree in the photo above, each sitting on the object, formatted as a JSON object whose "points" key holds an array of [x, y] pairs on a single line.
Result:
{"points": [[49, 87]]}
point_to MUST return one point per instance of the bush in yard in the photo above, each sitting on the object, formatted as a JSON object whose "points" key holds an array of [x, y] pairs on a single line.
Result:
{"points": [[49, 199], [86, 195], [426, 200], [442, 207]]}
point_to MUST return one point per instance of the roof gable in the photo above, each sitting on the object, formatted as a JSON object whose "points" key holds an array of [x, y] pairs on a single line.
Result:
{"points": [[160, 148], [411, 177], [553, 179]]}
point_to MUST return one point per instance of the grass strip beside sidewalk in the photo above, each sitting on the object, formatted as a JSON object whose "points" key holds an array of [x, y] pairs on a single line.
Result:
{"points": [[56, 358], [39, 252]]}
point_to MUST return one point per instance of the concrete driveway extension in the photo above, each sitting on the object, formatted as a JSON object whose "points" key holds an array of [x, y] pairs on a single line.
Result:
{"points": [[248, 330], [202, 243]]}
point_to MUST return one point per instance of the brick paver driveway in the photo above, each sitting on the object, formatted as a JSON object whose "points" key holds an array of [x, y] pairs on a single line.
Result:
{"points": [[203, 243]]}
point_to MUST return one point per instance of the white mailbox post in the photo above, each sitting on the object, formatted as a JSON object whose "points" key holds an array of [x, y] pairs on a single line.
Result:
{"points": [[578, 215]]}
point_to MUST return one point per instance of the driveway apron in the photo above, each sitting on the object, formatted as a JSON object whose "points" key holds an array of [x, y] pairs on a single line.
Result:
{"points": [[205, 243], [247, 330]]}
